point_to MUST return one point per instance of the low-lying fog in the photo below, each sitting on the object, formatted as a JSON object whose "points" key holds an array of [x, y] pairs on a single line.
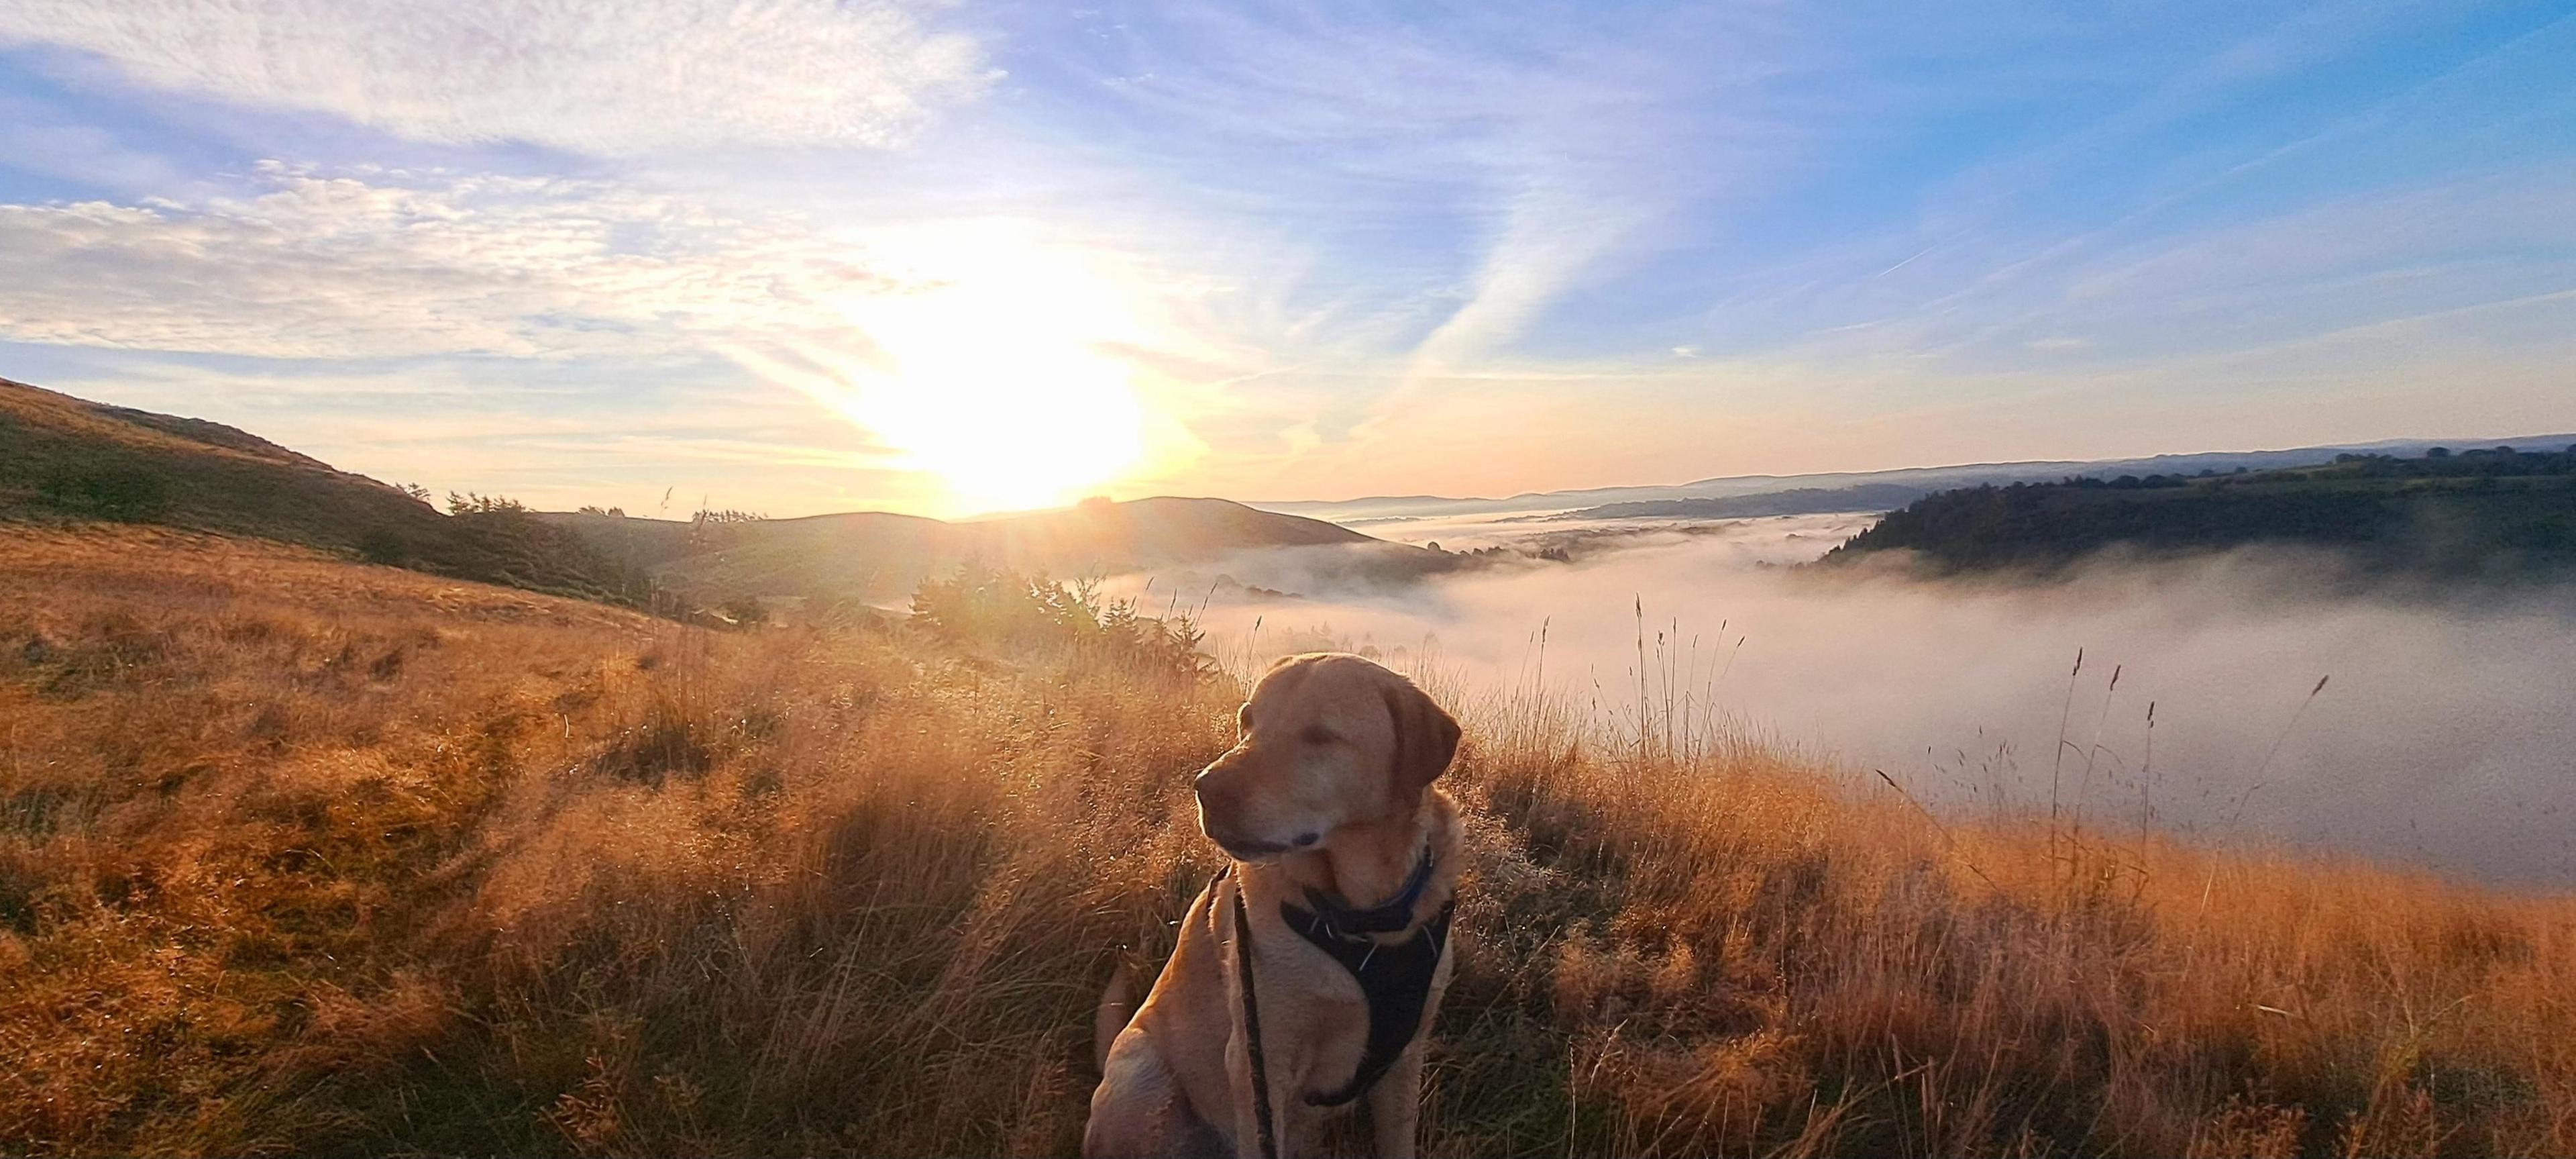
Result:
{"points": [[2445, 735]]}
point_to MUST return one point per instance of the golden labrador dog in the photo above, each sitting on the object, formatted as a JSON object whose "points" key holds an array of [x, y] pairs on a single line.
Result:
{"points": [[1307, 973]]}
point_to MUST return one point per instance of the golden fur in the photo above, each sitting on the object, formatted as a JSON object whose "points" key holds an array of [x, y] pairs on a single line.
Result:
{"points": [[1328, 787]]}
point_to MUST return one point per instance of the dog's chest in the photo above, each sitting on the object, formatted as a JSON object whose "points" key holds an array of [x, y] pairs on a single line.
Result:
{"points": [[1394, 981]]}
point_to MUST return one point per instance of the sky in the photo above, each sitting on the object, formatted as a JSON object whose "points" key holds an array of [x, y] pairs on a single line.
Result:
{"points": [[796, 256]]}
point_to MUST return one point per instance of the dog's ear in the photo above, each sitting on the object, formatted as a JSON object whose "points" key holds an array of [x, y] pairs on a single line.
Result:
{"points": [[1426, 739]]}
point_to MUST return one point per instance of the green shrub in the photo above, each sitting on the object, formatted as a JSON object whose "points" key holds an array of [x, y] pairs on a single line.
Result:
{"points": [[994, 608]]}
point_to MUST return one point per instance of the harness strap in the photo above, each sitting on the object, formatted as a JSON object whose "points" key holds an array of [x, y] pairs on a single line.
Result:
{"points": [[1397, 990], [1395, 979], [1252, 1024]]}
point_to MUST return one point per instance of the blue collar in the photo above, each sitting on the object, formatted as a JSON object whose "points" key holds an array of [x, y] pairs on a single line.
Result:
{"points": [[1342, 920]]}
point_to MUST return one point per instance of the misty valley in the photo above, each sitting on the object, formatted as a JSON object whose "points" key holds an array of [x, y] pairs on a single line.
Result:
{"points": [[2443, 737]]}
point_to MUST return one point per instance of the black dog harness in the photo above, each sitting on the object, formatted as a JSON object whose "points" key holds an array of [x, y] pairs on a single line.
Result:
{"points": [[1395, 979]]}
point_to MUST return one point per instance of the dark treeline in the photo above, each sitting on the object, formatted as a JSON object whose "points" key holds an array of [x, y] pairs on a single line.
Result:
{"points": [[2491, 513]]}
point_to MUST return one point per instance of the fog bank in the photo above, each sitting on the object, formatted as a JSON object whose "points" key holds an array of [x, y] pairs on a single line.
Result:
{"points": [[2445, 736]]}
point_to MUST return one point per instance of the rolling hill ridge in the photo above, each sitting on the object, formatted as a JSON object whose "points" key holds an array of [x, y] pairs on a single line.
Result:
{"points": [[68, 459], [875, 555]]}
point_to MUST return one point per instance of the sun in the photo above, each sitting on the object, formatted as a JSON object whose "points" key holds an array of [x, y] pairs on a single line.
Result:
{"points": [[989, 372], [1005, 420]]}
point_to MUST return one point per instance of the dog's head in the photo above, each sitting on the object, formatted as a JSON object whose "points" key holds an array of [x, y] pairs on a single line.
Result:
{"points": [[1327, 740]]}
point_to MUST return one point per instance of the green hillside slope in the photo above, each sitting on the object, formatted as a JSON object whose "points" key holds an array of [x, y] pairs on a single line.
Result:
{"points": [[64, 458]]}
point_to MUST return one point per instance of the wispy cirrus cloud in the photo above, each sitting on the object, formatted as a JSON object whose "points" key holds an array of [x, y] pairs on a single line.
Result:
{"points": [[1478, 164], [617, 79], [386, 263]]}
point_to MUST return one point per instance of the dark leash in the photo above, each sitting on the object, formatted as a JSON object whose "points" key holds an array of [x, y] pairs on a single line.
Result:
{"points": [[1252, 1024], [1395, 980]]}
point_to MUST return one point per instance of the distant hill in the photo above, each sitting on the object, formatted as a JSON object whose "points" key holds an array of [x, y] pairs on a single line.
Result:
{"points": [[2488, 512], [64, 458], [1393, 508], [878, 556], [1796, 501]]}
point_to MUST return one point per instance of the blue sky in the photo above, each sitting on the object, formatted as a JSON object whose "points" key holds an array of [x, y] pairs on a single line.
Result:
{"points": [[798, 255]]}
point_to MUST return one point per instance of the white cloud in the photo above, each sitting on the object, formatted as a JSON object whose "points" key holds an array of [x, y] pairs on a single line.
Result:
{"points": [[600, 78], [387, 264], [1549, 237], [937, 337]]}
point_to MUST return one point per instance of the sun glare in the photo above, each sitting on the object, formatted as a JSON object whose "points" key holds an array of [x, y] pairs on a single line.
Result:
{"points": [[988, 372], [1006, 420]]}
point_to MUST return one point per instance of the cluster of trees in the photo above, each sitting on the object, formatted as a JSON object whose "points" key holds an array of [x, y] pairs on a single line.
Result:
{"points": [[2443, 463], [1552, 554], [702, 518], [471, 503], [2126, 482]]}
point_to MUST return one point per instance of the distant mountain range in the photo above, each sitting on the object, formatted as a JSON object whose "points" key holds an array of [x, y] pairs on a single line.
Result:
{"points": [[68, 459], [1795, 501], [1863, 490]]}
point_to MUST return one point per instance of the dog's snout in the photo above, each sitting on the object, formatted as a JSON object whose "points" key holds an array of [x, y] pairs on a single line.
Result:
{"points": [[1216, 791], [1226, 814], [1223, 778]]}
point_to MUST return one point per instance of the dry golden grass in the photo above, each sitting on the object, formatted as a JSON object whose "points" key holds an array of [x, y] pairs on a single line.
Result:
{"points": [[301, 856]]}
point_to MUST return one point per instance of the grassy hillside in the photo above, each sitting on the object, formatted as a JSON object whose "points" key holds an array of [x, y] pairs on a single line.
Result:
{"points": [[65, 459], [2494, 513], [877, 556], [303, 855]]}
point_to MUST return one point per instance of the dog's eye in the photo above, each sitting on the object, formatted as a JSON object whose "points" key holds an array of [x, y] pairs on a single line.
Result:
{"points": [[1317, 734]]}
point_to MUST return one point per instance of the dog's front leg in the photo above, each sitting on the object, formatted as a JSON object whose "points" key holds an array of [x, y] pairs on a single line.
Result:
{"points": [[1395, 1105], [1293, 1124], [1248, 1124]]}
